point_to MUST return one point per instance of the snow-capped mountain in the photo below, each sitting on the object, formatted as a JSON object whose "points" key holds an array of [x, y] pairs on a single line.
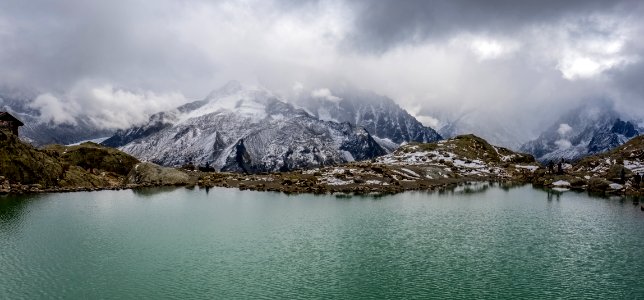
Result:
{"points": [[249, 129], [390, 124], [16, 101], [582, 132]]}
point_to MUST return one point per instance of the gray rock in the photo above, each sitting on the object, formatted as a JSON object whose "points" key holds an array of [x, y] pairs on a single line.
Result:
{"points": [[149, 173]]}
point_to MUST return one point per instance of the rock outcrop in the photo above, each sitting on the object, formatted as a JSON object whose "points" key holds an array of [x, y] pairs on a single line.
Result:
{"points": [[612, 172], [150, 174], [86, 166]]}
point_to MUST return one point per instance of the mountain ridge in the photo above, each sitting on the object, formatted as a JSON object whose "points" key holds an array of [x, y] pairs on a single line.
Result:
{"points": [[245, 129], [589, 130], [379, 115]]}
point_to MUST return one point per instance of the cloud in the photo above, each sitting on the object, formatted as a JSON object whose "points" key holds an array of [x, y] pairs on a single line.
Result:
{"points": [[564, 129], [492, 49], [52, 109], [521, 64], [563, 144], [297, 87], [594, 52], [429, 121], [325, 93], [103, 105], [382, 25]]}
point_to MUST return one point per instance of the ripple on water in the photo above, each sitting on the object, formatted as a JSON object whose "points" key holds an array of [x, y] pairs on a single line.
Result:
{"points": [[491, 243]]}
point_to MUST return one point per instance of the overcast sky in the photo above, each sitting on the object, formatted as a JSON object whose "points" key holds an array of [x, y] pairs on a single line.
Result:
{"points": [[516, 61]]}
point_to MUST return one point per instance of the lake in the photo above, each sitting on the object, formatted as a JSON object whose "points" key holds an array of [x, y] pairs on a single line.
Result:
{"points": [[479, 241]]}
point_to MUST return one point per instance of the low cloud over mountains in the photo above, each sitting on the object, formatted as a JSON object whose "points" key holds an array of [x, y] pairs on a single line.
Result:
{"points": [[524, 64]]}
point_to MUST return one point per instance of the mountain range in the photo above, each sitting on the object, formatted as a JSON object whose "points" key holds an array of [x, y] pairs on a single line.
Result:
{"points": [[591, 129], [385, 120], [245, 129]]}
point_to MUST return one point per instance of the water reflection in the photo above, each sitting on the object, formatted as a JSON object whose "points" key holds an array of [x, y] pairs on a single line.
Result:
{"points": [[11, 205], [345, 196], [465, 188], [120, 244], [472, 188], [152, 191], [477, 187], [553, 194], [468, 188], [12, 208], [556, 193], [507, 186]]}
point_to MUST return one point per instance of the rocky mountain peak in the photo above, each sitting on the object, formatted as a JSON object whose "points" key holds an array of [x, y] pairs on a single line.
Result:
{"points": [[229, 88], [587, 130], [379, 115], [246, 129], [624, 128]]}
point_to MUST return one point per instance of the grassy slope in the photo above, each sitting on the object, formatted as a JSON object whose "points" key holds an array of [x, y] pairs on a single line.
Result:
{"points": [[85, 165]]}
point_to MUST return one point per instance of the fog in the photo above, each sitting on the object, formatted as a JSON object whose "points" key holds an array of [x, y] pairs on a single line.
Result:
{"points": [[517, 64]]}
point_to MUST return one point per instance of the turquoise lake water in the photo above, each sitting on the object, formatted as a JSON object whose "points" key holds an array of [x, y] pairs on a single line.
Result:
{"points": [[475, 242]]}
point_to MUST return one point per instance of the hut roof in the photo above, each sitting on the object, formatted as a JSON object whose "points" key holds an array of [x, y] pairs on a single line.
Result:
{"points": [[5, 116]]}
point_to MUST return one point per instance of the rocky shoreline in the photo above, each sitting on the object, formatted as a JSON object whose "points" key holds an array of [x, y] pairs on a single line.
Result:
{"points": [[280, 184], [7, 188], [91, 167], [301, 182]]}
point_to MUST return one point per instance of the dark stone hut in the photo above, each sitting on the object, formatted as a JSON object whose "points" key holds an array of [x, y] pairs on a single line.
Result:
{"points": [[10, 122]]}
